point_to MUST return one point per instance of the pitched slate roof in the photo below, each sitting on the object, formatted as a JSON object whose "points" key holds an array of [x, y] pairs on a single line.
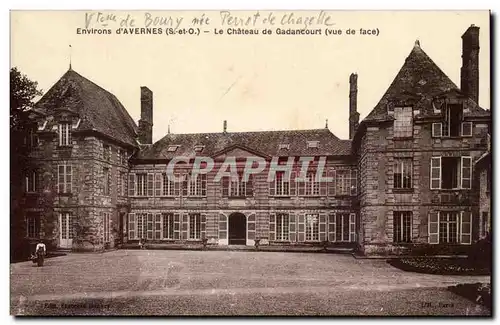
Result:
{"points": [[98, 109], [266, 142], [421, 79]]}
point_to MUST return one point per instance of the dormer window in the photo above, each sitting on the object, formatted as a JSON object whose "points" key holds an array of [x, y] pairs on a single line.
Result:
{"points": [[199, 148], [64, 134], [403, 122], [172, 148], [284, 146], [313, 144], [452, 124]]}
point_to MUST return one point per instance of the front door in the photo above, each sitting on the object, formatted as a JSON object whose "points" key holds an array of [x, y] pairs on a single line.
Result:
{"points": [[237, 229], [66, 230]]}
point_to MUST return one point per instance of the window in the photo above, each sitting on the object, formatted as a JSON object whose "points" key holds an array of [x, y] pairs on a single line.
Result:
{"points": [[32, 226], [437, 130], [122, 188], [403, 123], [141, 226], [342, 227], [141, 183], [346, 182], [448, 227], [402, 173], [195, 185], [107, 224], [452, 120], [168, 225], [106, 181], [282, 224], [172, 148], [311, 185], [466, 129], [67, 225], [31, 138], [282, 185], [106, 152], [451, 172], [64, 178], [402, 226], [65, 134], [199, 148], [170, 187], [237, 187], [312, 227], [194, 226], [313, 144], [31, 182]]}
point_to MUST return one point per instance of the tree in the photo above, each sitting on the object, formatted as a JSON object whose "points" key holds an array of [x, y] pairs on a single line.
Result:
{"points": [[23, 92]]}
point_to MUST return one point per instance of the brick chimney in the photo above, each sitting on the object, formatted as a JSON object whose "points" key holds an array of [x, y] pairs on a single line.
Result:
{"points": [[469, 74], [353, 105], [224, 127], [146, 121]]}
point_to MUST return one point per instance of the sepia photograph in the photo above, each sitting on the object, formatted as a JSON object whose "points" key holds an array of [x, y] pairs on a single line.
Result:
{"points": [[250, 163]]}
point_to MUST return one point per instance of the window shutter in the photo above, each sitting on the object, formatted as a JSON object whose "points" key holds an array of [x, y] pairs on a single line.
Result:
{"points": [[272, 188], [301, 228], [131, 184], [251, 225], [331, 184], [354, 182], [322, 227], [184, 225], [157, 226], [203, 184], [352, 227], [222, 226], [323, 188], [292, 231], [466, 129], [249, 186], [203, 226], [225, 186], [466, 172], [177, 226], [433, 225], [150, 185], [437, 130], [293, 184], [272, 227], [331, 227], [185, 184], [435, 173], [301, 188], [131, 226], [158, 184], [465, 227], [177, 185], [149, 224]]}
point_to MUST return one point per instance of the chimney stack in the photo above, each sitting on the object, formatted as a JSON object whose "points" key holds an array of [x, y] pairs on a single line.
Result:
{"points": [[353, 105], [225, 127], [469, 74], [146, 121]]}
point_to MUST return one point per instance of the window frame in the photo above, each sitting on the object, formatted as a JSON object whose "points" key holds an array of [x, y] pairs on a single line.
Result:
{"points": [[67, 178], [403, 165], [64, 129], [282, 227], [405, 226], [401, 131]]}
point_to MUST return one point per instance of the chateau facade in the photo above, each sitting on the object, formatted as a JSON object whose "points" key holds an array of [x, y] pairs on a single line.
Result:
{"points": [[405, 176]]}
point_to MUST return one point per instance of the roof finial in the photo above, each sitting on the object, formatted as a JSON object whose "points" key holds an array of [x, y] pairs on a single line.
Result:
{"points": [[70, 48], [417, 43], [326, 124], [168, 132]]}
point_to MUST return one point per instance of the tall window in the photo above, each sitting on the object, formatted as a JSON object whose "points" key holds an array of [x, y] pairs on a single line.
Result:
{"points": [[195, 186], [237, 187], [107, 224], [452, 120], [64, 178], [65, 134], [402, 226], [342, 226], [312, 227], [168, 185], [448, 227], [141, 225], [194, 226], [32, 226], [311, 185], [168, 225], [282, 185], [403, 123], [346, 182], [106, 181], [451, 172], [30, 182], [123, 184], [106, 152], [402, 173], [141, 184], [282, 224]]}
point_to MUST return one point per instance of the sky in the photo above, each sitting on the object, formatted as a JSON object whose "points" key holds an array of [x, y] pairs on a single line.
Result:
{"points": [[255, 82]]}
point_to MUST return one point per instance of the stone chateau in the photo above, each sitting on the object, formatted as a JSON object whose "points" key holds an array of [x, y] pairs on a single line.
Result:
{"points": [[405, 177]]}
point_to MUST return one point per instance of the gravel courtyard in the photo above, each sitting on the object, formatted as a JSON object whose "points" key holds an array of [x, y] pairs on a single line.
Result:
{"points": [[162, 282]]}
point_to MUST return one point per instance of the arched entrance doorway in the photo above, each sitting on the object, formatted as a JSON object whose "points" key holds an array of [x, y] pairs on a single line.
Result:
{"points": [[237, 229]]}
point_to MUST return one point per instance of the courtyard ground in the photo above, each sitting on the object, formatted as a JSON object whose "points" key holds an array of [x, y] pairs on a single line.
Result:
{"points": [[162, 282]]}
